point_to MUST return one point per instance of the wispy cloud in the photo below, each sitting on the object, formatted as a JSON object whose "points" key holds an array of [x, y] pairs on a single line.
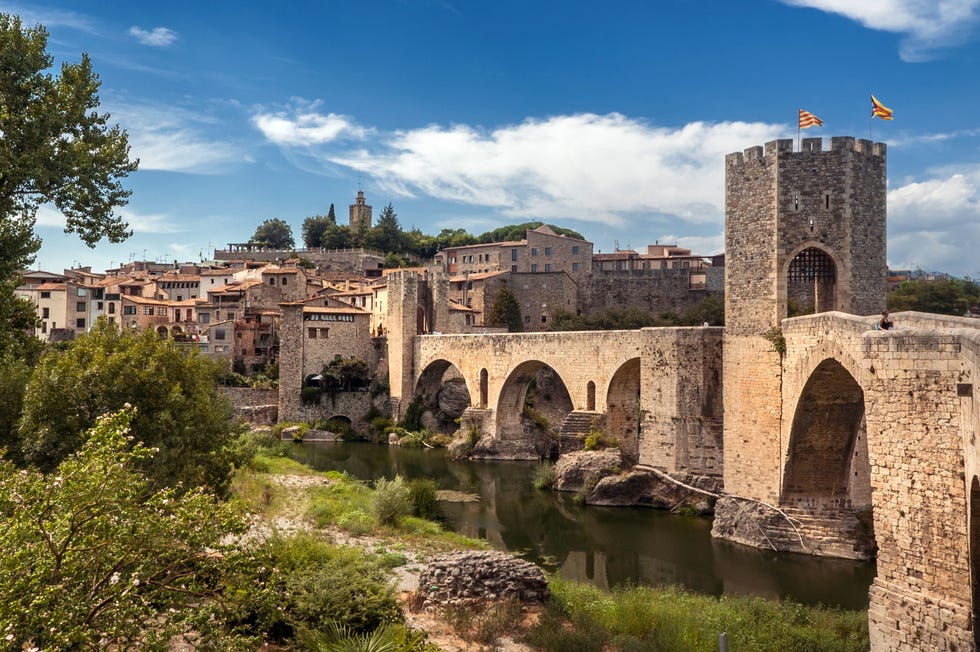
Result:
{"points": [[145, 223], [927, 26], [49, 17], [172, 139], [156, 37], [598, 168]]}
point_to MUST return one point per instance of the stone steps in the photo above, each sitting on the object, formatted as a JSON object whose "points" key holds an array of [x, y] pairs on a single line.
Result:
{"points": [[574, 429]]}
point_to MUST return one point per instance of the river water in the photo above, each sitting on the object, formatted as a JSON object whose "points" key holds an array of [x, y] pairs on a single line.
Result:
{"points": [[606, 546]]}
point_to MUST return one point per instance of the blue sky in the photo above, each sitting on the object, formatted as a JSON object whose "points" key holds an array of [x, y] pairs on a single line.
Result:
{"points": [[609, 118]]}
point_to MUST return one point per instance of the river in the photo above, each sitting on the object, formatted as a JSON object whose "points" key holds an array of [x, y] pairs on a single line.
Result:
{"points": [[606, 546]]}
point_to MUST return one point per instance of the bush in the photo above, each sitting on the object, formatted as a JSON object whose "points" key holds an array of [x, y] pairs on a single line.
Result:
{"points": [[92, 558], [392, 500], [597, 440], [292, 588], [423, 494], [544, 476]]}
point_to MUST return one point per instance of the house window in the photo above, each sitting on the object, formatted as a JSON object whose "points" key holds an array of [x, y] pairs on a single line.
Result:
{"points": [[180, 297], [272, 280], [513, 269], [527, 319], [513, 254], [534, 251], [147, 310], [45, 313], [574, 249], [238, 335], [80, 306], [534, 268], [544, 319], [284, 279], [80, 292], [162, 312], [547, 251], [129, 310], [219, 334], [45, 295], [79, 323], [311, 333], [547, 267], [44, 327], [575, 267], [112, 320], [204, 317], [324, 333], [98, 306]]}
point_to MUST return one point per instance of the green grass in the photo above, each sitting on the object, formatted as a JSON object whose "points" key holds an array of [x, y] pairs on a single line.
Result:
{"points": [[641, 618]]}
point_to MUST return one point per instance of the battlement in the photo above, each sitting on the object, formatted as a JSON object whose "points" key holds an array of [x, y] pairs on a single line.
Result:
{"points": [[784, 146]]}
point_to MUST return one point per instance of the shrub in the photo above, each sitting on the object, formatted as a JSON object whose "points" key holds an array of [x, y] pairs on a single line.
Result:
{"points": [[544, 476], [391, 500], [294, 587], [423, 493], [597, 440]]}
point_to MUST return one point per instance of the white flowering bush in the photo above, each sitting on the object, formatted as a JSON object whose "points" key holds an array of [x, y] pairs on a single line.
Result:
{"points": [[91, 558]]}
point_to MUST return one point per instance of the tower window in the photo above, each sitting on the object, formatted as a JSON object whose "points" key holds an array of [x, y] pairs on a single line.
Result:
{"points": [[796, 201], [826, 201]]}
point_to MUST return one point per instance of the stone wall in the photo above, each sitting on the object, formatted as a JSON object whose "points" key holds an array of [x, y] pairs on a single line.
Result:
{"points": [[653, 290], [260, 406]]}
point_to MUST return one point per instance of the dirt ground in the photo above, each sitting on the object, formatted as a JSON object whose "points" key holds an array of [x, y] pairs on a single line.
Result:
{"points": [[291, 501]]}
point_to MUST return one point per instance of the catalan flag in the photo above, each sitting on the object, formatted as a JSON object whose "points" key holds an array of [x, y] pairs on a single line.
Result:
{"points": [[879, 110], [808, 120]]}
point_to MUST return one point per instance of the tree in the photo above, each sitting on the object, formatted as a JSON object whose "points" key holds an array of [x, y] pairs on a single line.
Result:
{"points": [[179, 408], [92, 558], [331, 215], [505, 311], [275, 233], [55, 147], [314, 229], [387, 235], [943, 297]]}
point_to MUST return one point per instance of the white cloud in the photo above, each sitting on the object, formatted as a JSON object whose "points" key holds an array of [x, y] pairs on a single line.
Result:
{"points": [[935, 224], [927, 26], [170, 139], [49, 17], [149, 223], [304, 126], [156, 37], [597, 168]]}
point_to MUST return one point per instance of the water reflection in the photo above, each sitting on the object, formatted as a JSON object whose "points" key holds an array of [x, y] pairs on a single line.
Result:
{"points": [[606, 546]]}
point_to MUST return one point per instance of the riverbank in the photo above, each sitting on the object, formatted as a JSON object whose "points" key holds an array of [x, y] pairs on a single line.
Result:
{"points": [[291, 498]]}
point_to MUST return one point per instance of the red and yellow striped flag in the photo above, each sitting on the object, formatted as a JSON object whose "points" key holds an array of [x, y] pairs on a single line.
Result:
{"points": [[807, 120], [879, 110]]}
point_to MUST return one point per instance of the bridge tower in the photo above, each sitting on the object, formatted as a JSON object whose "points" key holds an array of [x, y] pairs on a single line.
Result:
{"points": [[804, 232]]}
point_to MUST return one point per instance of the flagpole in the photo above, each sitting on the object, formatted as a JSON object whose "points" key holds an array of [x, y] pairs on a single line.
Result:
{"points": [[799, 145], [870, 118]]}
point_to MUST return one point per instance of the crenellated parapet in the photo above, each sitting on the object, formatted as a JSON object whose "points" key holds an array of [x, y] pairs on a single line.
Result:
{"points": [[784, 147]]}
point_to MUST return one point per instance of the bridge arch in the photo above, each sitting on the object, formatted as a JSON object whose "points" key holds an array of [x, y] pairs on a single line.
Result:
{"points": [[827, 466], [622, 407], [551, 400], [444, 394], [809, 280]]}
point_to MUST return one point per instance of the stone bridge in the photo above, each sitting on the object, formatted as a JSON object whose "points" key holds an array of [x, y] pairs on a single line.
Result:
{"points": [[866, 439], [656, 390]]}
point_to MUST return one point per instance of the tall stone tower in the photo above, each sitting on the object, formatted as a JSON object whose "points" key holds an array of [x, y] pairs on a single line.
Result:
{"points": [[360, 213], [804, 232]]}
